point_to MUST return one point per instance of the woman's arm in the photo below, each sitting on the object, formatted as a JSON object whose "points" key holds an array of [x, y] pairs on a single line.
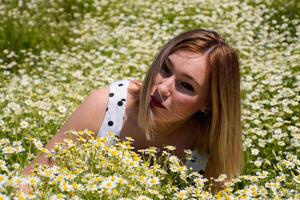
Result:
{"points": [[89, 115]]}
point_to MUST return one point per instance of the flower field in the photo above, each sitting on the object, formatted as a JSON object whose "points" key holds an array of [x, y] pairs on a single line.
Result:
{"points": [[54, 53]]}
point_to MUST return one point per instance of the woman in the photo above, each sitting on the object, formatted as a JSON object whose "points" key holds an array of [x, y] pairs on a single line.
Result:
{"points": [[190, 98]]}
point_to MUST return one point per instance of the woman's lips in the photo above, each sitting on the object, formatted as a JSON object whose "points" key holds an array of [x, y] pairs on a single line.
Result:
{"points": [[155, 103]]}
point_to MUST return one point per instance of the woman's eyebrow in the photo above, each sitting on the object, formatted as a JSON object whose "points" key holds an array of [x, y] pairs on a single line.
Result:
{"points": [[169, 62]]}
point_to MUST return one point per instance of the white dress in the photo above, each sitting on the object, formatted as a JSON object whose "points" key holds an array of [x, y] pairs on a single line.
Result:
{"points": [[114, 117]]}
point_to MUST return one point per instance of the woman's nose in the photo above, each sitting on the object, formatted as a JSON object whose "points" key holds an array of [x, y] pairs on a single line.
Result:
{"points": [[165, 88]]}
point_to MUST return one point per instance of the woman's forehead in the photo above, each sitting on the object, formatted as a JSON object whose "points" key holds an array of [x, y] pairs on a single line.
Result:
{"points": [[186, 54], [187, 57]]}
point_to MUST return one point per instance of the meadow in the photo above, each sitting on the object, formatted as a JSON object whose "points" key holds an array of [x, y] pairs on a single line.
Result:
{"points": [[54, 53]]}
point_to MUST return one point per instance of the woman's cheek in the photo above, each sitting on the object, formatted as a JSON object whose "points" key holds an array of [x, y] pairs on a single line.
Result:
{"points": [[184, 99], [189, 102], [183, 102]]}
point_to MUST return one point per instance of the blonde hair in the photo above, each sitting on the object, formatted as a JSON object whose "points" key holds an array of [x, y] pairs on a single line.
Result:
{"points": [[219, 130]]}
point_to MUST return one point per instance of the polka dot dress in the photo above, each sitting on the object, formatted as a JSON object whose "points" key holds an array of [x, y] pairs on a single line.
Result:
{"points": [[199, 161], [115, 110], [114, 117]]}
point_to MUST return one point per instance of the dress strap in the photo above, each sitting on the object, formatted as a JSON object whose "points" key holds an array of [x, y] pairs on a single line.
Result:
{"points": [[115, 110]]}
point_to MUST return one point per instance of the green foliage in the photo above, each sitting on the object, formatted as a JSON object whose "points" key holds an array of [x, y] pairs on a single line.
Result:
{"points": [[40, 25], [284, 13]]}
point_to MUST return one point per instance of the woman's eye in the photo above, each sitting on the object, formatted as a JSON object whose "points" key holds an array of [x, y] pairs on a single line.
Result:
{"points": [[165, 69], [187, 86]]}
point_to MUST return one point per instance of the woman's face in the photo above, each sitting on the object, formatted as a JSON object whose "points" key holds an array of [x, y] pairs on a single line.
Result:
{"points": [[181, 86]]}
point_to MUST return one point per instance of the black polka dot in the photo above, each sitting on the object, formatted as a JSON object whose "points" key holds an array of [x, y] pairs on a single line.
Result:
{"points": [[110, 123], [201, 172], [106, 108], [120, 103], [123, 99], [111, 94], [121, 84]]}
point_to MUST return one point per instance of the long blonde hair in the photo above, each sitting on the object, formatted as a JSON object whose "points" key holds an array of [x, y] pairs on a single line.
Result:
{"points": [[221, 134]]}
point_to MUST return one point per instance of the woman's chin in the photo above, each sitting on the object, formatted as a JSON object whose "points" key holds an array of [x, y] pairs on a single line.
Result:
{"points": [[166, 123]]}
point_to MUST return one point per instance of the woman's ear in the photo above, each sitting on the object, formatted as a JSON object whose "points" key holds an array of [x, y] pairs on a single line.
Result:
{"points": [[205, 109]]}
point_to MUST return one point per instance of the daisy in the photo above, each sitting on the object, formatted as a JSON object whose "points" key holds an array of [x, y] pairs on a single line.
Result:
{"points": [[62, 109], [64, 186], [3, 179], [174, 159], [24, 124], [221, 178], [57, 196], [170, 147], [108, 184], [182, 194], [3, 197], [143, 197], [8, 150], [142, 179], [153, 181]]}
